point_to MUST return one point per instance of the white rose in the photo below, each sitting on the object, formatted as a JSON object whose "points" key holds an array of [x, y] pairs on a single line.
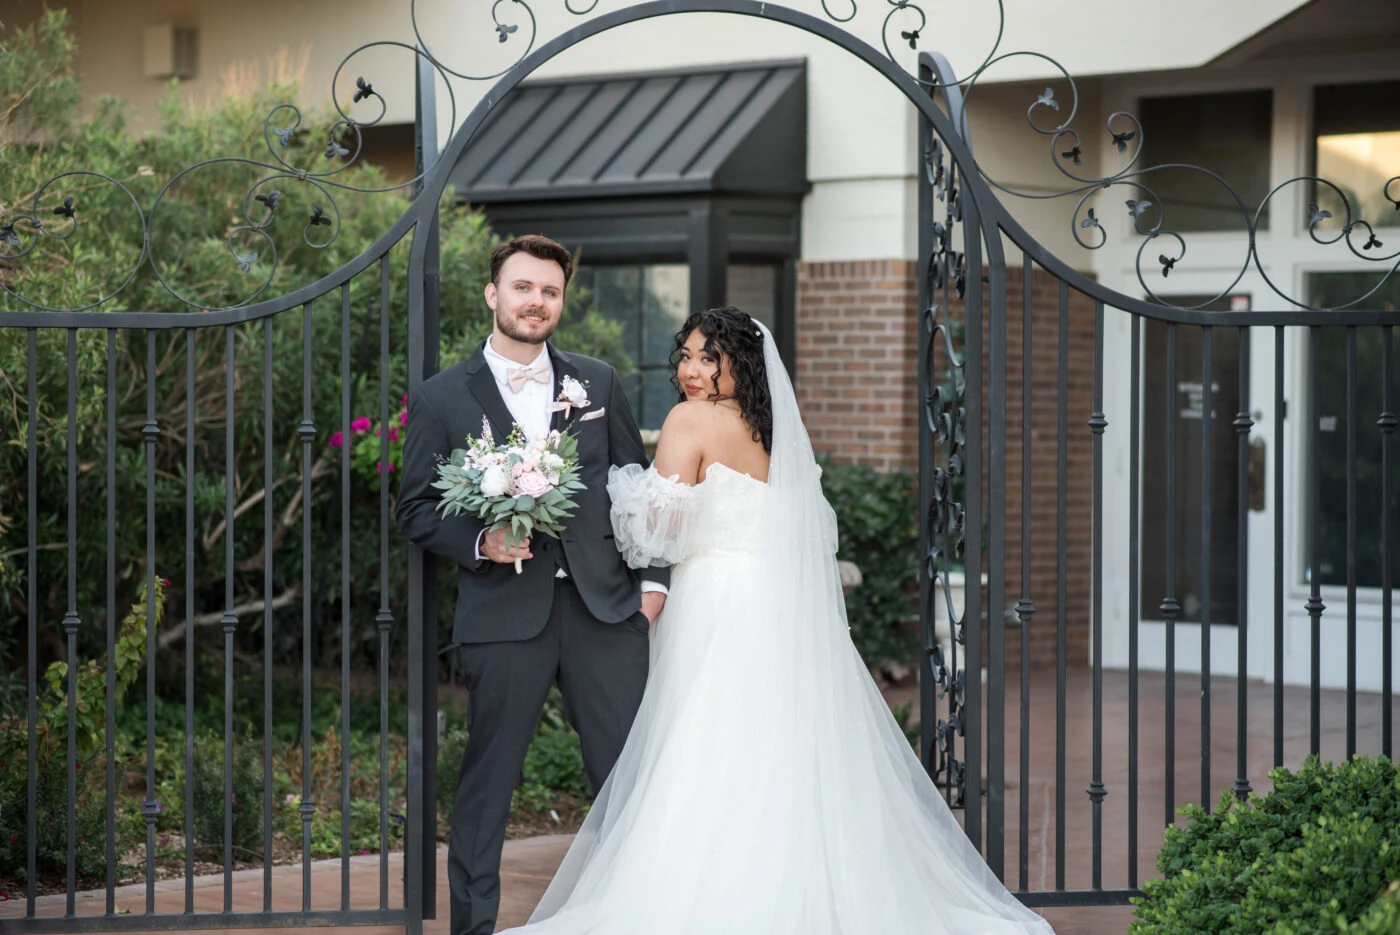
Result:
{"points": [[573, 391], [494, 481]]}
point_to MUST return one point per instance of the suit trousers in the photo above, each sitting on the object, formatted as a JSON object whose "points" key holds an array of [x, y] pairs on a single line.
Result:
{"points": [[601, 670]]}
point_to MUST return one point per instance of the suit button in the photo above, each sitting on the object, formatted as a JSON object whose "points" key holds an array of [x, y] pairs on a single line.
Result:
{"points": [[545, 545]]}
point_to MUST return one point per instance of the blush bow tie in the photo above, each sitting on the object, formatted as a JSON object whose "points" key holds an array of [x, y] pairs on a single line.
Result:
{"points": [[517, 377]]}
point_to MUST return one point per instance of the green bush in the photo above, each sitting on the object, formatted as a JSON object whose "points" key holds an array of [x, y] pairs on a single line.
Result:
{"points": [[50, 757], [1314, 855], [51, 819], [877, 518], [553, 764], [208, 794], [40, 137], [1383, 917]]}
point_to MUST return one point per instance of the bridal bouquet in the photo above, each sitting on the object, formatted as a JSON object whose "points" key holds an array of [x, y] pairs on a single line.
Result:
{"points": [[521, 486]]}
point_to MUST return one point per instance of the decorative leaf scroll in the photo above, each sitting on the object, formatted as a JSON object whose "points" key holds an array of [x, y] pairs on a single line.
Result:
{"points": [[1056, 106], [1149, 214], [280, 127], [363, 90], [944, 519]]}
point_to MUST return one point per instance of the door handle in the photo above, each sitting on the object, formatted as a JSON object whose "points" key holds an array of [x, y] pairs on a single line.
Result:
{"points": [[1254, 470]]}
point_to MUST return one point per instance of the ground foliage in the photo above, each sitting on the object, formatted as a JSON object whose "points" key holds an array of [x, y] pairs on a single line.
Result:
{"points": [[183, 376], [876, 515], [1319, 853]]}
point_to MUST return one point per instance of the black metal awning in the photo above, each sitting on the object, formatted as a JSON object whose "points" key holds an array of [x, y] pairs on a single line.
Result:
{"points": [[736, 129]]}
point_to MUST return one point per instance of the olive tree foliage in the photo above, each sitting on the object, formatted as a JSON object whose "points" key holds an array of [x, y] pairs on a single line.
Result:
{"points": [[213, 244]]}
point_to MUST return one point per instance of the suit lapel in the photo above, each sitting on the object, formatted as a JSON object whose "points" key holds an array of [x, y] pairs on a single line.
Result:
{"points": [[482, 384], [562, 368]]}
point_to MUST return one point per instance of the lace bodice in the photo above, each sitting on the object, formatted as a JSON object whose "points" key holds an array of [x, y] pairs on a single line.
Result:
{"points": [[660, 521]]}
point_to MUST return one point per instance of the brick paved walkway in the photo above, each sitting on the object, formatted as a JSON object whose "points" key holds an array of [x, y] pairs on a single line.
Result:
{"points": [[529, 864]]}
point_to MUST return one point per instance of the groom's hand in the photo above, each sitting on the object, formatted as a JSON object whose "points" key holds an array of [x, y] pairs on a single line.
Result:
{"points": [[652, 602], [494, 547]]}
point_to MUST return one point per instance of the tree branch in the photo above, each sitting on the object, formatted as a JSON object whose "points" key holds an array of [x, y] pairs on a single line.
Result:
{"points": [[177, 632]]}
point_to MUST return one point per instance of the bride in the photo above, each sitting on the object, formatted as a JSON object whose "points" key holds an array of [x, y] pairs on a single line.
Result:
{"points": [[764, 787]]}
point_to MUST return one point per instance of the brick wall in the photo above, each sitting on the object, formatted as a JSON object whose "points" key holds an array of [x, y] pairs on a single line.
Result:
{"points": [[857, 381], [857, 368], [1044, 491]]}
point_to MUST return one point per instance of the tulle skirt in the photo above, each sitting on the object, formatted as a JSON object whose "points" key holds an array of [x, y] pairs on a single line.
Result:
{"points": [[765, 788]]}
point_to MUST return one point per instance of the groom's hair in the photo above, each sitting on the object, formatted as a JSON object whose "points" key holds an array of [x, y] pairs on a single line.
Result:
{"points": [[537, 245]]}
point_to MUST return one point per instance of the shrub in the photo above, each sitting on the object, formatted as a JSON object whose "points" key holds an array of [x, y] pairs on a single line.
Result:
{"points": [[188, 241], [51, 819], [50, 756], [553, 764], [877, 518], [1313, 855], [208, 795]]}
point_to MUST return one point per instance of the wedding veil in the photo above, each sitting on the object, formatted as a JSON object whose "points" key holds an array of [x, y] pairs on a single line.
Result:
{"points": [[765, 786]]}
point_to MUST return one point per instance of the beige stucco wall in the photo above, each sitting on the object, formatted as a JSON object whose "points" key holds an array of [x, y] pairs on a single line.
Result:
{"points": [[861, 131]]}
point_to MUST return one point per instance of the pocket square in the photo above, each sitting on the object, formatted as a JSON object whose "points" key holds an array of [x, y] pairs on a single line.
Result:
{"points": [[593, 415]]}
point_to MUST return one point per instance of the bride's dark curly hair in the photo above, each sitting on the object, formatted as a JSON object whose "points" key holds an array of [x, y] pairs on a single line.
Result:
{"points": [[733, 333]]}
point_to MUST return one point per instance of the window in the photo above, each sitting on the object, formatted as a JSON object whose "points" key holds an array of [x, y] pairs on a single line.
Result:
{"points": [[651, 301], [754, 289], [1187, 408], [1228, 134], [1356, 129], [1330, 347]]}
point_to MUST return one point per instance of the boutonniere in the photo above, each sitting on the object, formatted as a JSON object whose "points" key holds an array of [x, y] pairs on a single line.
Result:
{"points": [[572, 395]]}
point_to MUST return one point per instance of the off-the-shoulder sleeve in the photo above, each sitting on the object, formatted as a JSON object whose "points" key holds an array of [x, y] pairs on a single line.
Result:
{"points": [[651, 515]]}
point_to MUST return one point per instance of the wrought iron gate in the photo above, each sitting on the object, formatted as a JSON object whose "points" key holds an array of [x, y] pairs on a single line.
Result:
{"points": [[965, 394]]}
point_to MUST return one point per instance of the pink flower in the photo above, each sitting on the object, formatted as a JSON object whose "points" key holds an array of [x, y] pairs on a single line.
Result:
{"points": [[405, 399], [532, 484], [393, 433], [361, 424], [379, 466], [337, 440], [403, 417]]}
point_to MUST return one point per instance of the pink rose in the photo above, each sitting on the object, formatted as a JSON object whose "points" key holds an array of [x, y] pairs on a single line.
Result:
{"points": [[337, 440], [362, 424], [532, 484]]}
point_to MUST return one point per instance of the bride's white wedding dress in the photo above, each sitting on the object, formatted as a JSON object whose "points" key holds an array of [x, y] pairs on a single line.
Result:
{"points": [[764, 787]]}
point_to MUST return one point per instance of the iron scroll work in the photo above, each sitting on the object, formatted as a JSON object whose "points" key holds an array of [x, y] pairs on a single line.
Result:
{"points": [[54, 213], [962, 265]]}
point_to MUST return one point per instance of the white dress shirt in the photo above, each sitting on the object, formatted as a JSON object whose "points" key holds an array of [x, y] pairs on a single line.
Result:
{"points": [[530, 410], [529, 407]]}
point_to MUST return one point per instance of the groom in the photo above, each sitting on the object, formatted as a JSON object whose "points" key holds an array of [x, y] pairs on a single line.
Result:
{"points": [[575, 615]]}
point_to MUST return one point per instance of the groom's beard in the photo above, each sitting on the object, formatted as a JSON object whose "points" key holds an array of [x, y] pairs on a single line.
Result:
{"points": [[516, 331]]}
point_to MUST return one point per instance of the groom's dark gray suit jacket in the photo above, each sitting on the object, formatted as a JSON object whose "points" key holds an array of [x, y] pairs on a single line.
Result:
{"points": [[493, 602]]}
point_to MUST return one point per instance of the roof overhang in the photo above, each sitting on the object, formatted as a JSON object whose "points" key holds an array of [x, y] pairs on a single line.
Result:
{"points": [[736, 129]]}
